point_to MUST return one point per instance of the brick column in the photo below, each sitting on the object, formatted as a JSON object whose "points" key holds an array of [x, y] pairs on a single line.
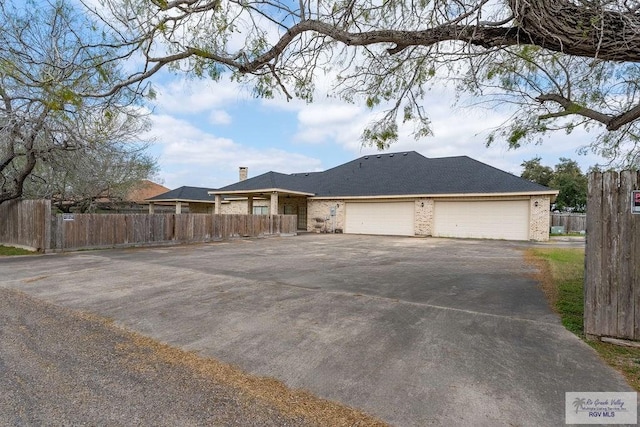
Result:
{"points": [[274, 204], [250, 205]]}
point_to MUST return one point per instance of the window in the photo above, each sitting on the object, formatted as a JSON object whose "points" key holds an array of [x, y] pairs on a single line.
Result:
{"points": [[302, 218], [261, 210]]}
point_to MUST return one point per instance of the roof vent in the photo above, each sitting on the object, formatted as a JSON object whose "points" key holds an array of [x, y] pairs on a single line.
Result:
{"points": [[404, 154], [390, 155], [366, 157], [378, 156], [306, 174]]}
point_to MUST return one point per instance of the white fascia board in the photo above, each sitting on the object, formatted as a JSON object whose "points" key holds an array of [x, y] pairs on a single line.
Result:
{"points": [[260, 192], [180, 200], [439, 196]]}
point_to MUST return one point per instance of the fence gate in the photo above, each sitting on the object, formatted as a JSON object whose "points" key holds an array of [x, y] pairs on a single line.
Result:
{"points": [[25, 223], [612, 262]]}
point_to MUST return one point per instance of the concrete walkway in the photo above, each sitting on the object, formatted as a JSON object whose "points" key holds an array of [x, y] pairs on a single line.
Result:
{"points": [[414, 331]]}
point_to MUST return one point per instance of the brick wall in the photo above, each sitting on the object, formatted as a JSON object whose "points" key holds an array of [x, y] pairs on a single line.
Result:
{"points": [[205, 208], [239, 207], [322, 209]]}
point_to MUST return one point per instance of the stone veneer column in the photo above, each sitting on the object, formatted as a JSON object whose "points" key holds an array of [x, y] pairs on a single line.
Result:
{"points": [[274, 204], [540, 218]]}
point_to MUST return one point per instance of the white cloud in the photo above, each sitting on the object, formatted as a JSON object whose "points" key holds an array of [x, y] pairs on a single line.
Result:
{"points": [[185, 96], [191, 156], [324, 121], [219, 117], [457, 131], [326, 114]]}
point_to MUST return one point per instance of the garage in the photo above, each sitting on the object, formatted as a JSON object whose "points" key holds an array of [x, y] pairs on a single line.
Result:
{"points": [[497, 219], [386, 218]]}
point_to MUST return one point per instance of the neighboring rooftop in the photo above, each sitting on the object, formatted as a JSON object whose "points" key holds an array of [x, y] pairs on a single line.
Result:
{"points": [[185, 194], [145, 189], [394, 174]]}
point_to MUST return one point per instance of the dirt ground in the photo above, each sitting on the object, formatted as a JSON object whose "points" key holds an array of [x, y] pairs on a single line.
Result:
{"points": [[64, 367]]}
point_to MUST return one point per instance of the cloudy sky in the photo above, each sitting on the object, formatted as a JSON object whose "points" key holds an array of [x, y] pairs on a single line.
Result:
{"points": [[204, 131]]}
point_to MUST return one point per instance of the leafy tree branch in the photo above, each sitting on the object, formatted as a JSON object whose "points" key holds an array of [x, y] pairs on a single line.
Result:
{"points": [[51, 57]]}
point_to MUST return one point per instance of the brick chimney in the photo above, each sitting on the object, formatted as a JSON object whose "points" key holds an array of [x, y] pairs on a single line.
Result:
{"points": [[244, 172]]}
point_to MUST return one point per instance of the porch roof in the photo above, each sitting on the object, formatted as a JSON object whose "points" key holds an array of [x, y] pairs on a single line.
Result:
{"points": [[184, 194], [261, 192]]}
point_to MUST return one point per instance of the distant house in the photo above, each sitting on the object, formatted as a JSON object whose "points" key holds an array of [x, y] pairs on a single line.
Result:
{"points": [[402, 194], [133, 201], [144, 190], [196, 199]]}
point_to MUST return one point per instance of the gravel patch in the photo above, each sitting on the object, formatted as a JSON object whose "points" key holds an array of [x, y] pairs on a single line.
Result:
{"points": [[62, 367]]}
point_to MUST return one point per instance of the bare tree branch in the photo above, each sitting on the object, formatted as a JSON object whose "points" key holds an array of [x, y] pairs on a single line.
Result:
{"points": [[611, 122]]}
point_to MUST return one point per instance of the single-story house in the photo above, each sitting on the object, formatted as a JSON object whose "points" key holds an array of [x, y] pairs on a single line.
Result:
{"points": [[196, 199], [143, 190], [403, 194]]}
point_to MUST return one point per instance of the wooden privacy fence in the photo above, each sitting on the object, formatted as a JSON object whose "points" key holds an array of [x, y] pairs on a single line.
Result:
{"points": [[87, 231], [572, 222], [612, 276], [29, 224], [24, 223]]}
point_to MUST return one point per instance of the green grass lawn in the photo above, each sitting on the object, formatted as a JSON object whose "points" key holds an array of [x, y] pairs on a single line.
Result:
{"points": [[10, 250], [562, 276]]}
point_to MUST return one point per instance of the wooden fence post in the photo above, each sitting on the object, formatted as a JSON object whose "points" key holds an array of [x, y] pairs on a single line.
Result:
{"points": [[593, 258], [612, 257], [47, 227]]}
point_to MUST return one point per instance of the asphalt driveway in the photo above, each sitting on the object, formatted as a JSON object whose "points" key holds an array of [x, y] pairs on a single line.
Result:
{"points": [[414, 331]]}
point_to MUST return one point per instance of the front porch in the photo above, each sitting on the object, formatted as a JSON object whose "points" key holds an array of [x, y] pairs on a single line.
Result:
{"points": [[264, 202]]}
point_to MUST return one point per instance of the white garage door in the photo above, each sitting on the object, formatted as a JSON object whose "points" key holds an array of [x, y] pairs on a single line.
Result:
{"points": [[388, 218], [482, 219]]}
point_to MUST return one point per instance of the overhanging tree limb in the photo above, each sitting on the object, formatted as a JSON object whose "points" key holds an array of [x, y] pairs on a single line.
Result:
{"points": [[558, 26], [569, 107], [581, 55]]}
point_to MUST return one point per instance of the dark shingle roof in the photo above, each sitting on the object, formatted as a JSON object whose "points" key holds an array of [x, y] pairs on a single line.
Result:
{"points": [[194, 194], [396, 174]]}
